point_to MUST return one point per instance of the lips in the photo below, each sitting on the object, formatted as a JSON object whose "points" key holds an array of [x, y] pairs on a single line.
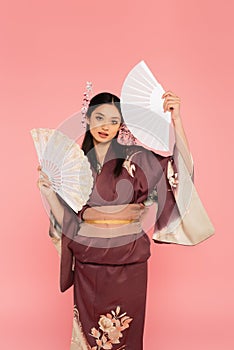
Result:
{"points": [[103, 134]]}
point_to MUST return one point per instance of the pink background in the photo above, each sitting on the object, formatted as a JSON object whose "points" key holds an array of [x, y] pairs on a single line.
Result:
{"points": [[49, 49]]}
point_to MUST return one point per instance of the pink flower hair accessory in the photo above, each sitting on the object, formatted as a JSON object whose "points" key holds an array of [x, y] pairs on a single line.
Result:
{"points": [[85, 104]]}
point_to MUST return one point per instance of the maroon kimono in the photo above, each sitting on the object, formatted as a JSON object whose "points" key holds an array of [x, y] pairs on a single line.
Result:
{"points": [[108, 266]]}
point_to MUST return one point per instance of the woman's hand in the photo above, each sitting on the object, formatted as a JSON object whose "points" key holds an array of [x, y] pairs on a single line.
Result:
{"points": [[46, 189], [172, 104], [44, 184]]}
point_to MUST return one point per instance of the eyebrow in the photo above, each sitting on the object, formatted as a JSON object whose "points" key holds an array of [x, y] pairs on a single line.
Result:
{"points": [[103, 115]]}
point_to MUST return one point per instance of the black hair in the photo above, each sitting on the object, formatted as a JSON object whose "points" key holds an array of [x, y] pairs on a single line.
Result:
{"points": [[88, 145]]}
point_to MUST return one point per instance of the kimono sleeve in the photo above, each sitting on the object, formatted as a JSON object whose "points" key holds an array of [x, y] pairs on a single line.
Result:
{"points": [[71, 224], [181, 216], [61, 237], [55, 233]]}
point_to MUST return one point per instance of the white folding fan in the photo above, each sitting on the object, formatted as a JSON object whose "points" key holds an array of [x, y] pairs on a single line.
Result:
{"points": [[142, 108], [66, 165]]}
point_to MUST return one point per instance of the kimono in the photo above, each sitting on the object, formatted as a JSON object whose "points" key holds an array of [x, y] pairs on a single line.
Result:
{"points": [[107, 263]]}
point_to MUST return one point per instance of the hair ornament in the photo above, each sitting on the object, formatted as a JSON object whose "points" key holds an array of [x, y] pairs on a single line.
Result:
{"points": [[125, 136], [86, 99]]}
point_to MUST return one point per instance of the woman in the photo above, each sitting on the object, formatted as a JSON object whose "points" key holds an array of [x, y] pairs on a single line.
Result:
{"points": [[104, 249]]}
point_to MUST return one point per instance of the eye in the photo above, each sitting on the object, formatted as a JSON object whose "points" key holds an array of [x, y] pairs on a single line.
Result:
{"points": [[114, 122], [99, 118]]}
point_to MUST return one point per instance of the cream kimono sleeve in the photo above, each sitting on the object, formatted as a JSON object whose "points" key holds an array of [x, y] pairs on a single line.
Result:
{"points": [[186, 221]]}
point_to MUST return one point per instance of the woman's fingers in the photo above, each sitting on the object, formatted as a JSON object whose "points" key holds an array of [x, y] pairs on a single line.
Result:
{"points": [[43, 175], [44, 182], [171, 101], [43, 179], [169, 93], [168, 105]]}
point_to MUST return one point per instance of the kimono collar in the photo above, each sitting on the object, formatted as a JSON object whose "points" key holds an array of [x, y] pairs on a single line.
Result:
{"points": [[110, 154]]}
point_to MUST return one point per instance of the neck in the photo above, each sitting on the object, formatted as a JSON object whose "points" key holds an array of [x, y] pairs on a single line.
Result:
{"points": [[101, 150]]}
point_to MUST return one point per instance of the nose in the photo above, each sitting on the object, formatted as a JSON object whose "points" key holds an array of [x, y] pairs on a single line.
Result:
{"points": [[105, 126]]}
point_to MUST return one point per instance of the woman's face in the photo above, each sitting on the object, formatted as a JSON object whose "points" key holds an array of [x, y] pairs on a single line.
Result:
{"points": [[104, 123]]}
